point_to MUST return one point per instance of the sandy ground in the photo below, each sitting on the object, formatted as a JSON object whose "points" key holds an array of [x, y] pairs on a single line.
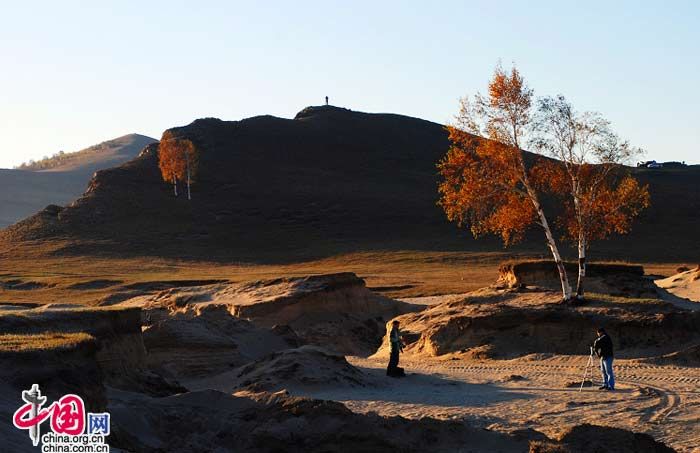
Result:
{"points": [[682, 288], [434, 300], [529, 392], [663, 401], [508, 395]]}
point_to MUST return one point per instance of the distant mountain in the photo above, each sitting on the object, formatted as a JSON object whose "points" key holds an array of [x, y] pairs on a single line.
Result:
{"points": [[328, 181], [62, 178]]}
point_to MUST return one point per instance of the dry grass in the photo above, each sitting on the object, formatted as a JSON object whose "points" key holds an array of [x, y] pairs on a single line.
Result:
{"points": [[395, 273], [595, 299], [43, 341]]}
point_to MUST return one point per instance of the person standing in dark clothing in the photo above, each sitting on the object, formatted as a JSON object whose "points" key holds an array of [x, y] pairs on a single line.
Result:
{"points": [[394, 370], [603, 348]]}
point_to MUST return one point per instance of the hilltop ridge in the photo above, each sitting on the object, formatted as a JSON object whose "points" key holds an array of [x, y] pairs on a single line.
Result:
{"points": [[328, 181], [103, 155]]}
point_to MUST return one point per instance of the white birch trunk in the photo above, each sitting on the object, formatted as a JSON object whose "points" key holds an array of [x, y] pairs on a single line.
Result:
{"points": [[175, 185], [565, 287], [581, 266], [189, 193], [576, 193], [563, 279]]}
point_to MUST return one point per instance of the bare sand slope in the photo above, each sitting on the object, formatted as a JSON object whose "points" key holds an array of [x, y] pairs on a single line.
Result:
{"points": [[335, 311], [301, 370], [685, 285]]}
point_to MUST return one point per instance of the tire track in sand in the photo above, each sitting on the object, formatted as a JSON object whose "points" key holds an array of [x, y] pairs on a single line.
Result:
{"points": [[637, 375]]}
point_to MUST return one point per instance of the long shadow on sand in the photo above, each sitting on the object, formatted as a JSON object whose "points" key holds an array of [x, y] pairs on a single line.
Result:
{"points": [[418, 389], [679, 302]]}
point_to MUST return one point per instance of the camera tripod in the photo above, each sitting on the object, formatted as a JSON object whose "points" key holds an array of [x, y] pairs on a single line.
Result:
{"points": [[589, 366]]}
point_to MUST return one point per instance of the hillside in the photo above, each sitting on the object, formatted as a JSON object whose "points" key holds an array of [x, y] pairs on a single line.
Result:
{"points": [[60, 180], [328, 181], [103, 155]]}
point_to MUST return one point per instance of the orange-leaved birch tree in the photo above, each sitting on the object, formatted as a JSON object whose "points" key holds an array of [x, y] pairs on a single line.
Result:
{"points": [[600, 197], [177, 159], [170, 165], [486, 182]]}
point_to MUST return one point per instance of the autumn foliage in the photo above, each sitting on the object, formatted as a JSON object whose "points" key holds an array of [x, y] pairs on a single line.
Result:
{"points": [[608, 203], [485, 182], [489, 184], [482, 187], [177, 160]]}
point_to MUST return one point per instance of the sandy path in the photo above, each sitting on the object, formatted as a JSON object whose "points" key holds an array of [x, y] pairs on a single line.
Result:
{"points": [[663, 401]]}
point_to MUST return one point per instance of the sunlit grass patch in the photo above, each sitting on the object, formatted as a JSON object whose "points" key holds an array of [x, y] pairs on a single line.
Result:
{"points": [[595, 299], [42, 341]]}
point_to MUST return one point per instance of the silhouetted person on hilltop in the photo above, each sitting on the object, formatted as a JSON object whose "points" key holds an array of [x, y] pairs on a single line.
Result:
{"points": [[394, 370], [603, 348], [326, 100]]}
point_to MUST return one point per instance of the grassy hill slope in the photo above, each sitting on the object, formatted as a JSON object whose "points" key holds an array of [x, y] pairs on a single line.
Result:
{"points": [[25, 191]]}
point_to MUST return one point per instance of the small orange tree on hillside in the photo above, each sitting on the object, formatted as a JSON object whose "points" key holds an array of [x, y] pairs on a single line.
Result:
{"points": [[600, 197], [177, 160], [171, 167], [487, 183]]}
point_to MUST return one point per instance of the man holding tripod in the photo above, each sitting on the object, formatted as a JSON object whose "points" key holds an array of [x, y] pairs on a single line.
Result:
{"points": [[603, 348]]}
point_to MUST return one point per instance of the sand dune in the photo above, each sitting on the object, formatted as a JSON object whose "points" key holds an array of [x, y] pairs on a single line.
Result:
{"points": [[685, 284]]}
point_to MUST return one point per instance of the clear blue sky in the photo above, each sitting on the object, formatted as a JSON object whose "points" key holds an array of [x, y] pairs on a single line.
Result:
{"points": [[77, 73]]}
